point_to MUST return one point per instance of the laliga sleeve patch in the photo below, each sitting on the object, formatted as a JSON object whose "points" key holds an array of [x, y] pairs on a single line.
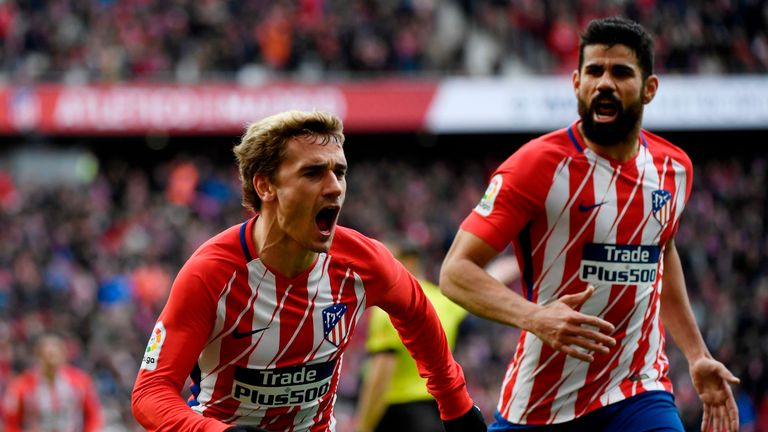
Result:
{"points": [[155, 344], [485, 206]]}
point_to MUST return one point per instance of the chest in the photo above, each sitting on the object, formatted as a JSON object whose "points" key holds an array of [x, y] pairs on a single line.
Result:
{"points": [[632, 203], [292, 321]]}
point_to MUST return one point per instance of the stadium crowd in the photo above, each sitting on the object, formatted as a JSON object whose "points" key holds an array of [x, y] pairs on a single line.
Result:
{"points": [[95, 259], [186, 40]]}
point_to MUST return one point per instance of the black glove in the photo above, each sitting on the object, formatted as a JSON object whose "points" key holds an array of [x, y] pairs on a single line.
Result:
{"points": [[245, 429], [471, 421]]}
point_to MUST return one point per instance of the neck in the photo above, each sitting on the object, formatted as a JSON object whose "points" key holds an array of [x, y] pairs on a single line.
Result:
{"points": [[278, 251], [622, 151], [49, 374]]}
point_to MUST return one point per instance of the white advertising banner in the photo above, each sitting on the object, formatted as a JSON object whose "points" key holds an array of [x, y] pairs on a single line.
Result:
{"points": [[545, 103]]}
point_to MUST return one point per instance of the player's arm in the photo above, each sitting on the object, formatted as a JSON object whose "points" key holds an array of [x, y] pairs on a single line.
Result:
{"points": [[710, 377], [381, 343], [184, 325], [376, 382], [559, 324], [92, 416]]}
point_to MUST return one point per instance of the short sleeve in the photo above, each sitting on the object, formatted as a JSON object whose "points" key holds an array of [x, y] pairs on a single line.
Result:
{"points": [[515, 192]]}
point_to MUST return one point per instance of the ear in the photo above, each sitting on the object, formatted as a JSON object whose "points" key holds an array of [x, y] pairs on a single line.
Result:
{"points": [[649, 90], [576, 79], [265, 189]]}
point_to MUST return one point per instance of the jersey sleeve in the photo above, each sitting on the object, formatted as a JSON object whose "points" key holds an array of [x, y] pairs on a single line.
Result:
{"points": [[173, 349], [515, 191], [417, 324]]}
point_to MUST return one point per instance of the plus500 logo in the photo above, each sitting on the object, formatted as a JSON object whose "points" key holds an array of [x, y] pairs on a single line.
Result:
{"points": [[622, 264], [288, 386]]}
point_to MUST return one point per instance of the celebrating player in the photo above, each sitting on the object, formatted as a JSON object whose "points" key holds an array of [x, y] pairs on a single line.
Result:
{"points": [[592, 211], [261, 314]]}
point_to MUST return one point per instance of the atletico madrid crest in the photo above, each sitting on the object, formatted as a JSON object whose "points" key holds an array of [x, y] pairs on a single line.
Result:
{"points": [[662, 205], [335, 323]]}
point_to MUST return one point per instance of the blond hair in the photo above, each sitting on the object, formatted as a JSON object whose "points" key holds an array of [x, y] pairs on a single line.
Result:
{"points": [[262, 147]]}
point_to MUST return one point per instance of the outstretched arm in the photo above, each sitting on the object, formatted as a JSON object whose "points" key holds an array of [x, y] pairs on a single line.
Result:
{"points": [[558, 324], [710, 377]]}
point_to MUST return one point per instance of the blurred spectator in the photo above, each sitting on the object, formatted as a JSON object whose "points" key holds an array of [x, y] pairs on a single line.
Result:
{"points": [[53, 396], [188, 40]]}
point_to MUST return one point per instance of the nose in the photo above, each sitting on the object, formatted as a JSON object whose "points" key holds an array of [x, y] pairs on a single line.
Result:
{"points": [[333, 184], [606, 84]]}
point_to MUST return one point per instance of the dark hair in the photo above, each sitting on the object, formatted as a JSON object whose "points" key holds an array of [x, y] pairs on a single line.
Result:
{"points": [[620, 31]]}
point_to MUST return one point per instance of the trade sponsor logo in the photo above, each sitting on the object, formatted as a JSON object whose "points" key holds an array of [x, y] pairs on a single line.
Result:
{"points": [[279, 387], [155, 344], [485, 206], [619, 264]]}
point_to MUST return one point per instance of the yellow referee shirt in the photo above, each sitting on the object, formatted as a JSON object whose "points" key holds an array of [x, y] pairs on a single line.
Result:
{"points": [[407, 385]]}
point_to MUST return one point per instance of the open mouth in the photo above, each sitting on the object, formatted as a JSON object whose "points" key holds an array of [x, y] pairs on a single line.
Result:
{"points": [[606, 110], [326, 219]]}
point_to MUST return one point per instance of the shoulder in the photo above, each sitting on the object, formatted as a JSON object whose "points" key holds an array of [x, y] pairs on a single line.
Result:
{"points": [[351, 244], [367, 257], [212, 265], [23, 380], [543, 151], [227, 243], [222, 251], [661, 146]]}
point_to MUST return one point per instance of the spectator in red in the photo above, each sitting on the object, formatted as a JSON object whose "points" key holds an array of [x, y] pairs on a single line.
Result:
{"points": [[54, 396]]}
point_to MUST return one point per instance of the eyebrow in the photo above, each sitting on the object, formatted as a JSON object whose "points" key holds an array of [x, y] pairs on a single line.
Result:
{"points": [[622, 67], [323, 165]]}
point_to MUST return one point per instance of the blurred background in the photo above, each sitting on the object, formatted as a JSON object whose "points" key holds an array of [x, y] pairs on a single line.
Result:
{"points": [[117, 120]]}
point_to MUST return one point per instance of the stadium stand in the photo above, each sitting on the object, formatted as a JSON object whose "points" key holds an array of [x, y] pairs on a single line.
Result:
{"points": [[188, 41]]}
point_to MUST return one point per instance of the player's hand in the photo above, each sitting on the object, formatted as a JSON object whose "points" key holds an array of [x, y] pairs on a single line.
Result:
{"points": [[245, 429], [712, 382], [471, 421], [561, 326]]}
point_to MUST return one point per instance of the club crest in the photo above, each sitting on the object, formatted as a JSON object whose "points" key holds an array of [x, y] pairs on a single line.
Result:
{"points": [[662, 205], [335, 324]]}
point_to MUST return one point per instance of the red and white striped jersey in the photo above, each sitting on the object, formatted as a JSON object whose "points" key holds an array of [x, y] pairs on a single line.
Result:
{"points": [[576, 218], [267, 350], [68, 404]]}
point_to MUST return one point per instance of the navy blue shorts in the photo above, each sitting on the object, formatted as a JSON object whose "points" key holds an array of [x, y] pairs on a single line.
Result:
{"points": [[650, 411]]}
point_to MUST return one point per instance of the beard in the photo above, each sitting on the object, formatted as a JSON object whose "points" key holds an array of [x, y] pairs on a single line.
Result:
{"points": [[616, 131]]}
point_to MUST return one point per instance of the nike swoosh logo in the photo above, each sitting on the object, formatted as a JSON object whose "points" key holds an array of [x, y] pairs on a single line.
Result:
{"points": [[586, 208], [237, 335]]}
